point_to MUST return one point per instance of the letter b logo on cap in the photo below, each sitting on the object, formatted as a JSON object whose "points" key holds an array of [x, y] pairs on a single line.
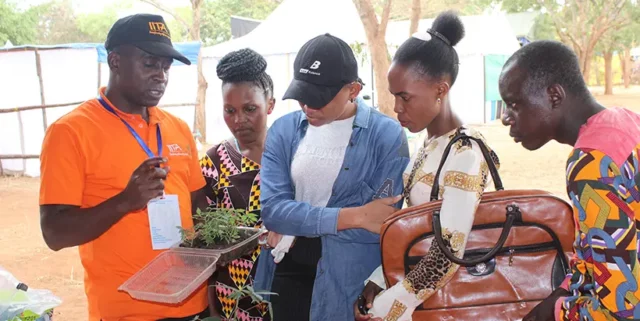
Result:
{"points": [[315, 65]]}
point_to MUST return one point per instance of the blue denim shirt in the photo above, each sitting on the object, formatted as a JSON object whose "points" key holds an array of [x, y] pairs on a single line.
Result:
{"points": [[373, 165]]}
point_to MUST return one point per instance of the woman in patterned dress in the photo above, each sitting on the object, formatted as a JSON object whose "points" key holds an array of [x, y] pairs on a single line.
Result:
{"points": [[232, 170], [423, 70]]}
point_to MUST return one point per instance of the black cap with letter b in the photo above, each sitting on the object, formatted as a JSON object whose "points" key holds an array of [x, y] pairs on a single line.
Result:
{"points": [[322, 67]]}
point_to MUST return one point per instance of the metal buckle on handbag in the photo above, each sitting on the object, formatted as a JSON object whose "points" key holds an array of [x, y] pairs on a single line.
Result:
{"points": [[483, 268]]}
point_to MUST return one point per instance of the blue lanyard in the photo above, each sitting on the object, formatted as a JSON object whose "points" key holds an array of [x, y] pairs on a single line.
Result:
{"points": [[134, 133]]}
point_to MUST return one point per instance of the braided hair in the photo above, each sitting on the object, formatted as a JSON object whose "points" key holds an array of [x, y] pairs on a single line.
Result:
{"points": [[245, 65]]}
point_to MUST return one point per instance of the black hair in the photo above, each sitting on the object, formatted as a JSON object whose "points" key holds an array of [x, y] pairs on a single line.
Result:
{"points": [[435, 57], [245, 65], [547, 63]]}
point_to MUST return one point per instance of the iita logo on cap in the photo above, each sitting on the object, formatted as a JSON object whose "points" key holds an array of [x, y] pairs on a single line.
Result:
{"points": [[316, 64], [159, 28]]}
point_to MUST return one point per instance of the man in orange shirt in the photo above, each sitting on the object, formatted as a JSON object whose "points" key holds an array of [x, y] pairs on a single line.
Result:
{"points": [[105, 166]]}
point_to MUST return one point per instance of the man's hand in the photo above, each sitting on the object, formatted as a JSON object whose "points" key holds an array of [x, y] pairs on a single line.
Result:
{"points": [[273, 239], [66, 226], [374, 213], [545, 310], [369, 293], [145, 184]]}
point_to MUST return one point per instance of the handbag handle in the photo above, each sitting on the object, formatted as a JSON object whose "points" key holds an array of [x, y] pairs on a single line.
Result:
{"points": [[513, 215], [497, 182], [513, 212]]}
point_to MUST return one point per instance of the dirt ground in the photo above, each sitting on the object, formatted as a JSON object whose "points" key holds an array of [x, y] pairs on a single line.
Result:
{"points": [[23, 252]]}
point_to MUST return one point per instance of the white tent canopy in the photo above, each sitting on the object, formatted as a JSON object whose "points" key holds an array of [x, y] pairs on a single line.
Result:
{"points": [[295, 22], [278, 38], [484, 35]]}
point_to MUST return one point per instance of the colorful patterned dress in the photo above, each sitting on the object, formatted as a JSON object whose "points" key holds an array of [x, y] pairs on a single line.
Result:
{"points": [[602, 183], [233, 181]]}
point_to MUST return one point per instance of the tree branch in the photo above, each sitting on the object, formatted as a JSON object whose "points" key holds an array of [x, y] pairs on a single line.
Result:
{"points": [[384, 19], [608, 21], [560, 27], [162, 7], [416, 11], [367, 15]]}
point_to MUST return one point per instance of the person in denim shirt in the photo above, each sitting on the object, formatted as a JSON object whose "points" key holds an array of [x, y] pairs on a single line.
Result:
{"points": [[334, 212]]}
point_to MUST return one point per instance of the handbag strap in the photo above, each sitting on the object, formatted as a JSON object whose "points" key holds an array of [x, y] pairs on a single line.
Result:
{"points": [[513, 214], [497, 182]]}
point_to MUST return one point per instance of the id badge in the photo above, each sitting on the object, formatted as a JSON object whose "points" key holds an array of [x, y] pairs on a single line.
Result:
{"points": [[164, 222]]}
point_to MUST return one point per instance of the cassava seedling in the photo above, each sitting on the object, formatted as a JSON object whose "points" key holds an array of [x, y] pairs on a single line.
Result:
{"points": [[236, 295], [217, 226]]}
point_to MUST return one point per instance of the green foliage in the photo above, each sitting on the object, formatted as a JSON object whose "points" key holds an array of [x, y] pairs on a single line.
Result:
{"points": [[401, 9], [94, 27], [58, 22], [218, 226], [216, 16], [573, 18], [19, 27], [513, 6], [543, 28], [180, 32], [624, 37], [359, 50]]}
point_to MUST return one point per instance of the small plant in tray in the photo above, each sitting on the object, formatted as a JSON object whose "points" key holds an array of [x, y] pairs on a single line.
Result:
{"points": [[236, 295], [222, 229]]}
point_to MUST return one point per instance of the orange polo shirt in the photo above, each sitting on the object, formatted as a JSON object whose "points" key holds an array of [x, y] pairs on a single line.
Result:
{"points": [[88, 157]]}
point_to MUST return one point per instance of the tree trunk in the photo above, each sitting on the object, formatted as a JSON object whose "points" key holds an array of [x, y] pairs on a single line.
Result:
{"points": [[626, 67], [416, 11], [379, 52], [586, 65], [200, 117], [622, 61], [608, 72], [596, 69]]}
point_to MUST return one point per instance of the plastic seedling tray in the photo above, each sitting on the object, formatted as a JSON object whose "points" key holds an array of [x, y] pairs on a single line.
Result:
{"points": [[171, 277], [231, 252]]}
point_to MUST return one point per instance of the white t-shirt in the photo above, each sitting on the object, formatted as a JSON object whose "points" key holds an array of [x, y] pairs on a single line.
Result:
{"points": [[318, 161]]}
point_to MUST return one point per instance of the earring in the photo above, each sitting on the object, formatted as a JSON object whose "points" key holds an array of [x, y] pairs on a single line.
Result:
{"points": [[439, 101], [352, 99]]}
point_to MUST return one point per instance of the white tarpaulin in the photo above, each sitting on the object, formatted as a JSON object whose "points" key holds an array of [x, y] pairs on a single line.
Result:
{"points": [[69, 74]]}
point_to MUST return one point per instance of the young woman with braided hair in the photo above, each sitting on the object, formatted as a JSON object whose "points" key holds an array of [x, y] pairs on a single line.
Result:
{"points": [[232, 170]]}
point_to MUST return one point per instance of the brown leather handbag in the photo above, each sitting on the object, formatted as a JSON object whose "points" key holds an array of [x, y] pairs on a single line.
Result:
{"points": [[517, 252]]}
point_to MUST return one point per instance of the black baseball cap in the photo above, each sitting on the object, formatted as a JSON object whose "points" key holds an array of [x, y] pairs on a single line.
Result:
{"points": [[322, 67], [148, 32]]}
